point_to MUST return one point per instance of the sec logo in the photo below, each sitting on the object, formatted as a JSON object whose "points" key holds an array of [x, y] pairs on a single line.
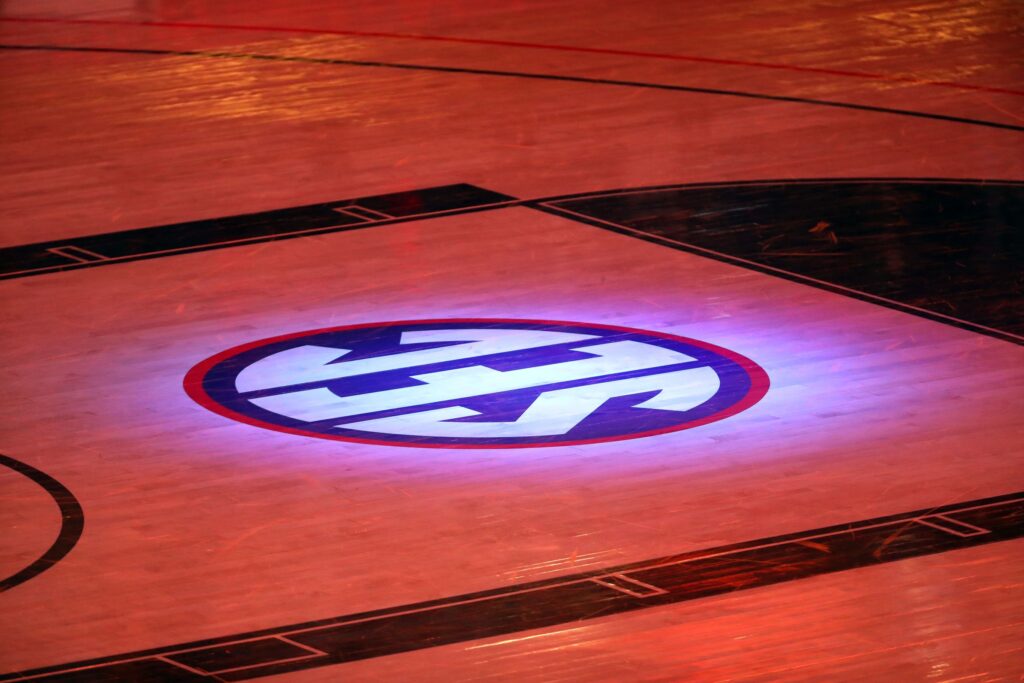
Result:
{"points": [[477, 383]]}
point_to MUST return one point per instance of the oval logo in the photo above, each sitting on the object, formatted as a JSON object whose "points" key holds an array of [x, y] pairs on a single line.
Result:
{"points": [[477, 383]]}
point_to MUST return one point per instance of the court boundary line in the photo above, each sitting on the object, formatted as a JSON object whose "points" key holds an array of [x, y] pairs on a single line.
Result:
{"points": [[545, 205], [226, 244], [764, 269], [854, 545], [643, 54], [561, 78]]}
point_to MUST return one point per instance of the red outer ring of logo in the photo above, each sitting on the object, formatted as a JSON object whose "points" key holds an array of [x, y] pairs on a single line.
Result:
{"points": [[193, 384]]}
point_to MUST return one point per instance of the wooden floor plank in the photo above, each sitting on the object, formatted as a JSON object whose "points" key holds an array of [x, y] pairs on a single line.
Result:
{"points": [[201, 527]]}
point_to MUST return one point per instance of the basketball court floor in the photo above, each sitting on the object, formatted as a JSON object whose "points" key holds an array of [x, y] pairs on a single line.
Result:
{"points": [[525, 341]]}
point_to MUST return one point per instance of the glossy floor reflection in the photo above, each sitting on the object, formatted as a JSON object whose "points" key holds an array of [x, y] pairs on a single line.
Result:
{"points": [[828, 191]]}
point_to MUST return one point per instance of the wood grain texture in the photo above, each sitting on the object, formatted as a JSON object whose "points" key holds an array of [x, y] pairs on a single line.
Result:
{"points": [[201, 527]]}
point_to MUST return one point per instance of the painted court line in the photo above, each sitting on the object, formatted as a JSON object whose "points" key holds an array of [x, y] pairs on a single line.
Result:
{"points": [[562, 600], [844, 73], [553, 208], [501, 73]]}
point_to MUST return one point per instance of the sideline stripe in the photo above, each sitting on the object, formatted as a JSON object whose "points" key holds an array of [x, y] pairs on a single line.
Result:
{"points": [[561, 600], [316, 219], [530, 46], [216, 233], [524, 75], [737, 256]]}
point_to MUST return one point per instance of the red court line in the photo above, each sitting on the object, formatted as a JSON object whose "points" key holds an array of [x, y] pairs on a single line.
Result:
{"points": [[525, 45]]}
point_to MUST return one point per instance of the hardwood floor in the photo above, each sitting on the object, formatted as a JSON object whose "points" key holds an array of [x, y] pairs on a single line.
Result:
{"points": [[185, 178]]}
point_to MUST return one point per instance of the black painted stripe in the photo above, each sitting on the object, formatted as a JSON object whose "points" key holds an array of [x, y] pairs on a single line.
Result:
{"points": [[540, 604], [170, 240], [528, 75], [216, 233], [72, 523], [955, 243], [786, 275]]}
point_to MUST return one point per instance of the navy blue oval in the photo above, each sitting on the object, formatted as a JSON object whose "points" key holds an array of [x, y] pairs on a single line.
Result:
{"points": [[212, 383]]}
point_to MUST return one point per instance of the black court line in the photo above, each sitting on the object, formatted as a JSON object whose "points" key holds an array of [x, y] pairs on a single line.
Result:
{"points": [[72, 523], [217, 233], [562, 600], [317, 219], [955, 249], [525, 75]]}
